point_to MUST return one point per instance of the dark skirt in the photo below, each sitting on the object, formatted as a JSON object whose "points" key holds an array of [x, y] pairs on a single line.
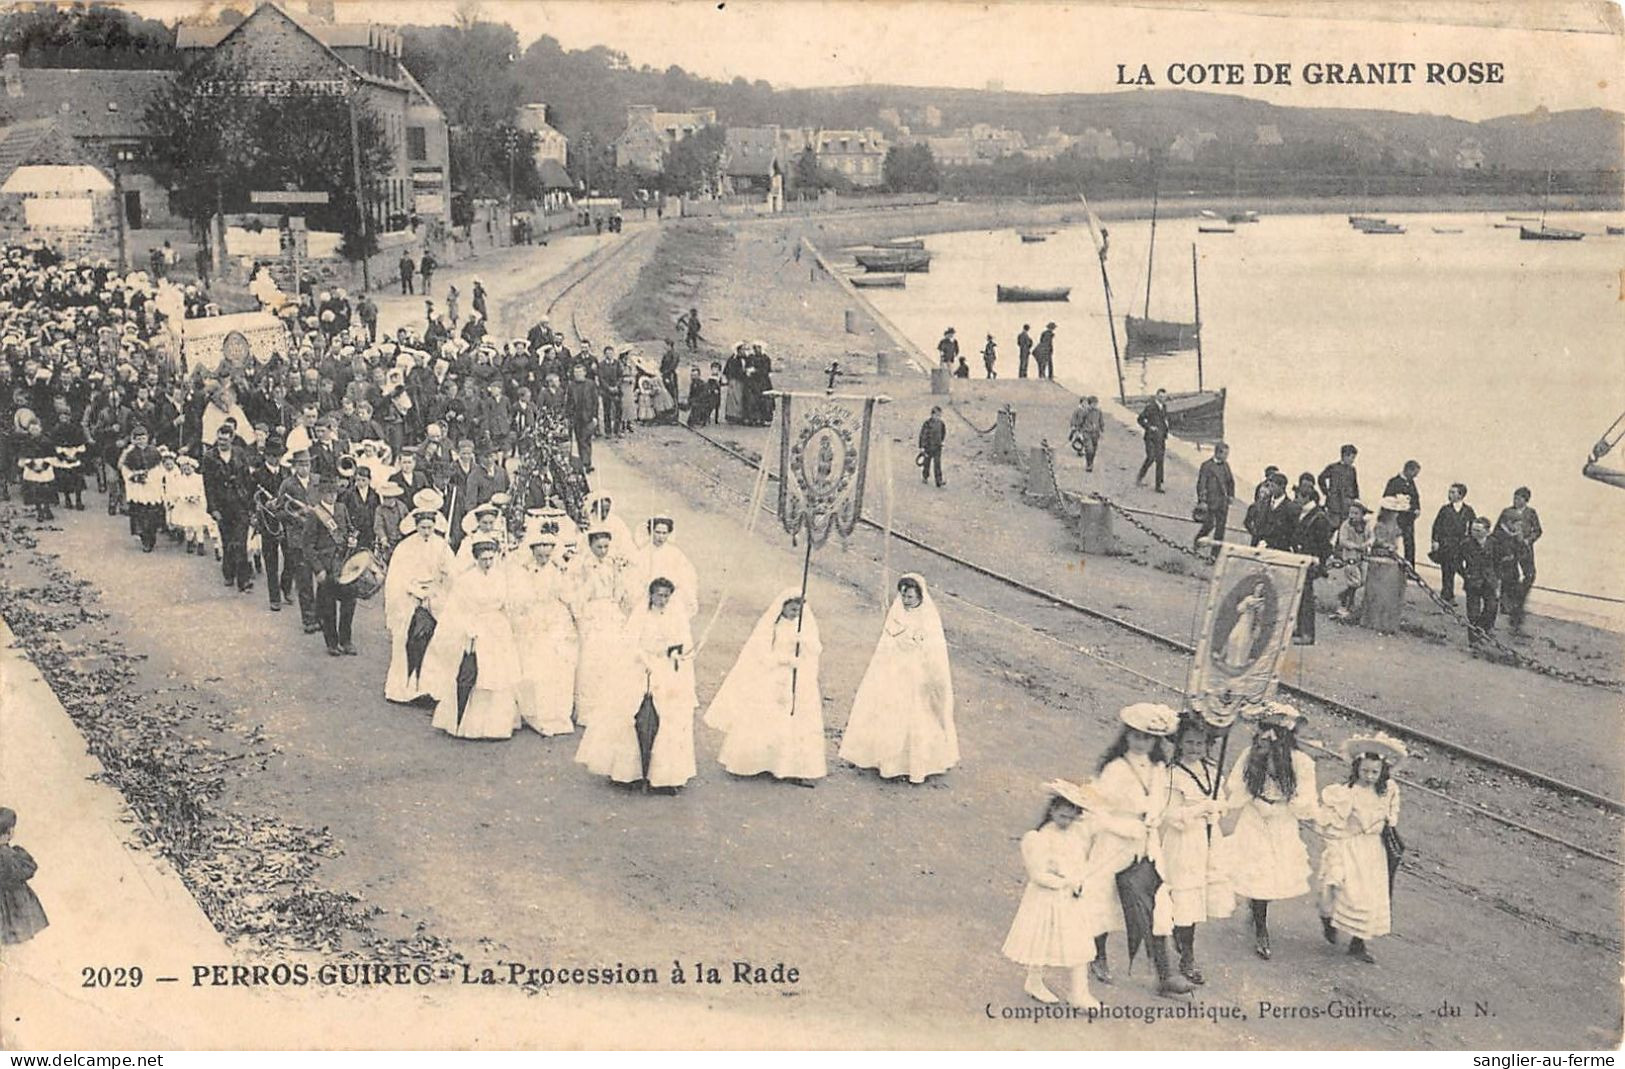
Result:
{"points": [[39, 493]]}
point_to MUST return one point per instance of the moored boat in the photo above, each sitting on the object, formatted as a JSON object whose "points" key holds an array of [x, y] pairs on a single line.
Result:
{"points": [[901, 243], [1523, 218], [1248, 216], [1447, 230], [1014, 294], [1381, 228], [1548, 233], [879, 282], [1197, 415], [1031, 239], [893, 260], [1616, 231], [1215, 228], [1360, 221], [1153, 336]]}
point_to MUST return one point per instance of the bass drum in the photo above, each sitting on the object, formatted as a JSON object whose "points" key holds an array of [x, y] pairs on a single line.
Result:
{"points": [[362, 573]]}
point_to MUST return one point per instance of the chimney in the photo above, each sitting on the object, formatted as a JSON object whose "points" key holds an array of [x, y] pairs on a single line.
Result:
{"points": [[14, 74]]}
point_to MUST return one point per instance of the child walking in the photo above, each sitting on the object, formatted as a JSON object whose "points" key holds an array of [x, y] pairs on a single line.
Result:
{"points": [[1355, 881], [21, 916], [1273, 785], [1054, 925]]}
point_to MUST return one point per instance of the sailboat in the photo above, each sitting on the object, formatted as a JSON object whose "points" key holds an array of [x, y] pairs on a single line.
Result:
{"points": [[1547, 233], [1197, 414], [1147, 336]]}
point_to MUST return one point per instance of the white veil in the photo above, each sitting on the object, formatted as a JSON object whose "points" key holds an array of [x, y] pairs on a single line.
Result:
{"points": [[927, 621], [741, 691]]}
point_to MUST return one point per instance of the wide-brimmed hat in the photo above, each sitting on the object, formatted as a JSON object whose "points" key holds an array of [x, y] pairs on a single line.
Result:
{"points": [[428, 500], [1377, 744], [1082, 795], [1150, 717], [1395, 503], [386, 488], [1277, 714], [409, 522]]}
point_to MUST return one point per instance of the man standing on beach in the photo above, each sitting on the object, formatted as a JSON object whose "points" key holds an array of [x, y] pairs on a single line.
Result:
{"points": [[1088, 424], [1044, 352], [1024, 350], [1215, 486], [1519, 528], [948, 348], [1340, 483], [990, 355], [933, 433], [1475, 559], [1154, 420], [1404, 485], [1450, 530]]}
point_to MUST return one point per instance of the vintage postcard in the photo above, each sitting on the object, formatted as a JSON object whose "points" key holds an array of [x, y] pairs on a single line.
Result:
{"points": [[811, 524]]}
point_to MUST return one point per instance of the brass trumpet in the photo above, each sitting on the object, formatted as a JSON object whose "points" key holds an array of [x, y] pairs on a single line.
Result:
{"points": [[275, 511]]}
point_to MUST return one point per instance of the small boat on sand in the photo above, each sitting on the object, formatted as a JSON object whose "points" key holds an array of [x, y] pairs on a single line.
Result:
{"points": [[1215, 228], [1032, 294], [1447, 230], [1506, 226], [901, 243], [893, 260], [1357, 220], [1616, 231], [1032, 239], [1381, 228], [1523, 218], [879, 282], [1548, 233]]}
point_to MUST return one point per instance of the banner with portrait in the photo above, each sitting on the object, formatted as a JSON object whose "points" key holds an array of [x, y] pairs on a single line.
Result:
{"points": [[823, 462], [1252, 605]]}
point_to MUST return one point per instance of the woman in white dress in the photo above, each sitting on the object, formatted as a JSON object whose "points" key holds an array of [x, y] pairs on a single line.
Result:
{"points": [[545, 631], [477, 622], [1272, 783], [1193, 860], [600, 613], [665, 652], [1354, 867], [484, 521], [1135, 789], [661, 559], [419, 570], [770, 704], [600, 514], [902, 720]]}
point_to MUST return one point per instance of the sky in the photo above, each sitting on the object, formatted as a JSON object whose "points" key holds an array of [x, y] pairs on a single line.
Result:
{"points": [[1559, 55]]}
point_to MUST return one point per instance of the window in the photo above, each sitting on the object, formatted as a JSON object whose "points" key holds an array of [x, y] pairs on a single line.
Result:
{"points": [[417, 143]]}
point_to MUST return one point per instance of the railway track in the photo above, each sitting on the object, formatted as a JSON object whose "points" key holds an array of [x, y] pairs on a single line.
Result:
{"points": [[1461, 751]]}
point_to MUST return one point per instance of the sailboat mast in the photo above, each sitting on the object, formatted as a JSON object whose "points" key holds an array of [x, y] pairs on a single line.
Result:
{"points": [[1545, 198], [1151, 251], [1196, 293], [1111, 322]]}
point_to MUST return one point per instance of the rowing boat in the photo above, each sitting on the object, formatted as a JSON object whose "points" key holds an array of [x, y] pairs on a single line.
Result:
{"points": [[1032, 294], [879, 282]]}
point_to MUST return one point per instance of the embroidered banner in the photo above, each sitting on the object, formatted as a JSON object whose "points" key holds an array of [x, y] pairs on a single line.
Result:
{"points": [[823, 460], [1252, 605]]}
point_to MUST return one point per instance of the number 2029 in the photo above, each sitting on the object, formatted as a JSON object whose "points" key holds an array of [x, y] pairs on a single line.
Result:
{"points": [[121, 976]]}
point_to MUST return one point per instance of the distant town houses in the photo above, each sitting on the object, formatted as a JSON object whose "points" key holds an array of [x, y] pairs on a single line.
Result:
{"points": [[651, 133], [859, 155], [552, 151], [102, 114]]}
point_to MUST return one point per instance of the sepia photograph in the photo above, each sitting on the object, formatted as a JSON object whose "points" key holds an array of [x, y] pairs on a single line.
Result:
{"points": [[812, 524]]}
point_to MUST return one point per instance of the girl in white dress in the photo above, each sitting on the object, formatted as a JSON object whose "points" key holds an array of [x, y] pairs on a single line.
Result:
{"points": [[665, 651], [770, 704], [1353, 878], [419, 570], [477, 621], [1054, 924], [186, 504], [902, 720], [602, 675], [1193, 859], [1135, 791], [1273, 785], [545, 630]]}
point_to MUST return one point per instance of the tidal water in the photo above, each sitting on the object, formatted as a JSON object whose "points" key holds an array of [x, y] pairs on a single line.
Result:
{"points": [[1489, 360]]}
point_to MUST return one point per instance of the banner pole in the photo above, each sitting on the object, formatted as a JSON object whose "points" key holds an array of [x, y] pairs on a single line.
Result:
{"points": [[795, 666]]}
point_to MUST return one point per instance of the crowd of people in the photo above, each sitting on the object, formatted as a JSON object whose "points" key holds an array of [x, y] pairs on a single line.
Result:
{"points": [[453, 474], [1164, 839]]}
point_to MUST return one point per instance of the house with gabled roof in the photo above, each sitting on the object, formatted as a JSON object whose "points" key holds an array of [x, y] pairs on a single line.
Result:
{"points": [[54, 191]]}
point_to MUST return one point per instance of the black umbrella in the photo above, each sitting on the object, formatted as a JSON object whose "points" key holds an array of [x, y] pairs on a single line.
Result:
{"points": [[467, 674], [647, 723], [419, 630], [1137, 890]]}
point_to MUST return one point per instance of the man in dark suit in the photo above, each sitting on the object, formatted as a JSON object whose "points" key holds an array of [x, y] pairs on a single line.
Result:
{"points": [[1277, 522], [1404, 485], [329, 539], [465, 488], [1215, 486], [1024, 350], [1154, 421], [1478, 561], [267, 476], [1340, 483], [1450, 530], [230, 496], [360, 502], [300, 488]]}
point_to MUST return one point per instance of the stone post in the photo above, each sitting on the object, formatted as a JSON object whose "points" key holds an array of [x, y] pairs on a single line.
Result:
{"points": [[1004, 437]]}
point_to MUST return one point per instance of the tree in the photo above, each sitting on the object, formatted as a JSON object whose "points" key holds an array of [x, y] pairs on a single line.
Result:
{"points": [[694, 165], [911, 169], [85, 36], [216, 140]]}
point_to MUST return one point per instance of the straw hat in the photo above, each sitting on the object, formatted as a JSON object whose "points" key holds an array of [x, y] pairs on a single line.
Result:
{"points": [[1378, 744], [1278, 714], [1151, 718], [1395, 503], [428, 500], [1082, 795]]}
